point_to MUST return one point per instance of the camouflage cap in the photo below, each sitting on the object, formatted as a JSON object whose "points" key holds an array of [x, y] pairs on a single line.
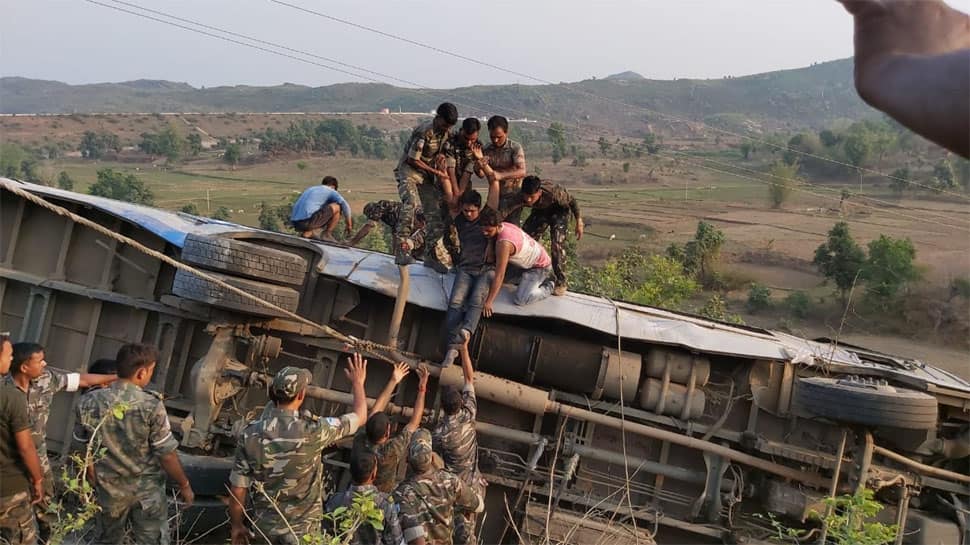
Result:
{"points": [[289, 381], [372, 210], [420, 455]]}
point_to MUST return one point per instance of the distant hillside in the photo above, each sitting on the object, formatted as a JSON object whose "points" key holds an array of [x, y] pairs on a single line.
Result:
{"points": [[804, 97]]}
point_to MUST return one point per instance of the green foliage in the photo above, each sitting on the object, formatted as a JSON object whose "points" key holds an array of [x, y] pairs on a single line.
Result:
{"points": [[232, 154], [850, 521], [783, 180], [840, 258], [746, 149], [95, 145], [326, 136], [943, 176], [166, 143], [798, 304], [190, 208], [900, 181], [858, 147], [605, 145], [638, 277], [301, 165], [579, 160], [64, 181], [17, 163], [652, 143], [194, 143], [703, 252], [122, 187], [829, 138], [557, 137], [222, 213], [759, 298], [626, 167], [268, 218], [890, 267], [716, 309]]}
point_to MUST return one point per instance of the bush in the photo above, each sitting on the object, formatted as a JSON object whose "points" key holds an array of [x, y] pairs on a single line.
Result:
{"points": [[798, 304], [190, 208], [122, 187], [716, 309], [960, 287], [638, 277], [64, 181], [759, 298]]}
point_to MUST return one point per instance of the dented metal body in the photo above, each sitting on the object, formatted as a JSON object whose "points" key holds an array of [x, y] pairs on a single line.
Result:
{"points": [[674, 423]]}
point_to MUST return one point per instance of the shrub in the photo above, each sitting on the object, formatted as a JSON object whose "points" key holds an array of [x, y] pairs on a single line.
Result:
{"points": [[798, 304], [759, 298]]}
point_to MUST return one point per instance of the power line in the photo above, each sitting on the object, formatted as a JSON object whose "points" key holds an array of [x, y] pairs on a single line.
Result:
{"points": [[417, 91], [602, 98]]}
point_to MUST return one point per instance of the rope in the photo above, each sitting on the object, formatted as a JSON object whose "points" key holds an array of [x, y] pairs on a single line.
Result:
{"points": [[361, 345]]}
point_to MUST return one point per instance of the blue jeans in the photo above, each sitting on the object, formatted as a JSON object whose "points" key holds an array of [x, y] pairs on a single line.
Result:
{"points": [[534, 286], [465, 304]]}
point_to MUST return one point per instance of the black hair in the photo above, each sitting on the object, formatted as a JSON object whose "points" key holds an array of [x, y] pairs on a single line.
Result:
{"points": [[21, 353], [488, 218], [451, 400], [280, 400], [103, 366], [531, 184], [471, 197], [471, 125], [376, 427], [362, 466], [135, 356], [448, 112], [498, 121], [331, 181]]}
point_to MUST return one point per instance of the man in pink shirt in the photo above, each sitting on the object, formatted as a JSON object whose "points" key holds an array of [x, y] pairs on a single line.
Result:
{"points": [[514, 247]]}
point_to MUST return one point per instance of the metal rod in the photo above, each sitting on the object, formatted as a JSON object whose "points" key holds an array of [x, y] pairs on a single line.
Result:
{"points": [[920, 467], [399, 303], [834, 487]]}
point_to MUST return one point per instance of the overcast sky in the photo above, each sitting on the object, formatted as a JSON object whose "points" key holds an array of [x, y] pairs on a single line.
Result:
{"points": [[566, 40]]}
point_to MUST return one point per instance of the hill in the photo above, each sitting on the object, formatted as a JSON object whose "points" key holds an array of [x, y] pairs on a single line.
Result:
{"points": [[805, 97]]}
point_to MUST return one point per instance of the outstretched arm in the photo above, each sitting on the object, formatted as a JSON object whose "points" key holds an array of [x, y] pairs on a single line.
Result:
{"points": [[400, 371], [912, 61], [466, 363], [418, 413], [363, 232], [357, 372], [502, 252], [89, 380]]}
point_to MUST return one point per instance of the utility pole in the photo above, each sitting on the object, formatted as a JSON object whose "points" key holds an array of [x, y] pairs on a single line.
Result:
{"points": [[208, 206]]}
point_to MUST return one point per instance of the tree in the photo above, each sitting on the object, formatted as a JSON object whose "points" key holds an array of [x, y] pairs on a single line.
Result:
{"points": [[798, 304], [556, 155], [268, 218], [638, 277], [626, 167], [829, 138], [190, 208], [64, 181], [604, 145], [857, 147], [900, 181], [232, 154], [783, 180], [759, 298], [746, 148], [194, 141], [943, 176], [557, 136], [95, 145], [221, 213], [652, 143], [890, 267], [122, 187], [702, 253], [840, 258], [13, 158]]}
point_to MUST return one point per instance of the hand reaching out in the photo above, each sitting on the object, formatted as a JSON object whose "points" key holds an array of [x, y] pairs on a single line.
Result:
{"points": [[356, 370], [400, 371]]}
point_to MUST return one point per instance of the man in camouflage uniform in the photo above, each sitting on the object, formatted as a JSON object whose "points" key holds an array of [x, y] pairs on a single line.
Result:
{"points": [[363, 470], [29, 373], [455, 440], [418, 175], [389, 213], [506, 167], [279, 456], [139, 450], [430, 497], [461, 164], [551, 207], [18, 461], [376, 437]]}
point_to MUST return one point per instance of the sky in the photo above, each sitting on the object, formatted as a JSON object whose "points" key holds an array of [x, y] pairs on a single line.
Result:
{"points": [[77, 41]]}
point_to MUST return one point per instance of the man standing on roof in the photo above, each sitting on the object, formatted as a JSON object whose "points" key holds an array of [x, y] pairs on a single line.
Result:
{"points": [[418, 176], [30, 374], [514, 247], [551, 207], [317, 211], [506, 166], [388, 213], [376, 437], [454, 438], [279, 456]]}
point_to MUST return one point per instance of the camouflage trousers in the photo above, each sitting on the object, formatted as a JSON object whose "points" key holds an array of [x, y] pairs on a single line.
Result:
{"points": [[427, 196], [278, 531], [509, 204], [558, 224], [466, 522], [17, 525], [40, 510], [145, 509]]}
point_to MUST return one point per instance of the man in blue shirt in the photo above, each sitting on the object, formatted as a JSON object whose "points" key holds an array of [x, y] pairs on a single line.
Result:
{"points": [[317, 211]]}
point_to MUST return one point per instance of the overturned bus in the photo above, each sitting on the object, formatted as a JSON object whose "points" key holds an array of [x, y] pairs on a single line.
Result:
{"points": [[597, 418]]}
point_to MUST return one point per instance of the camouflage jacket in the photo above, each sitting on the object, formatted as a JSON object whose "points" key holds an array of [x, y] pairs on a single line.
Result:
{"points": [[388, 212], [40, 395], [367, 534], [455, 440], [458, 155], [555, 198], [281, 451], [390, 455], [424, 144], [132, 444], [428, 503], [507, 157]]}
